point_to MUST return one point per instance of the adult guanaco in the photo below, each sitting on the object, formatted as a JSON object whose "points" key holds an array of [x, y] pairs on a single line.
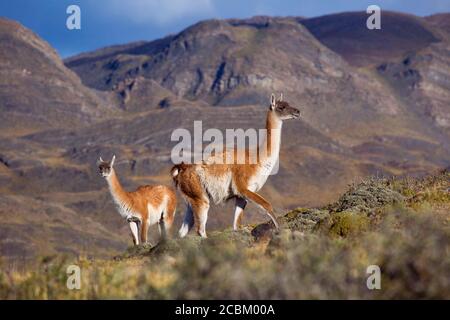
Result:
{"points": [[146, 206], [219, 181]]}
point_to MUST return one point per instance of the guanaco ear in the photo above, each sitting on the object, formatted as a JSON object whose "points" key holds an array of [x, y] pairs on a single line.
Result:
{"points": [[272, 101], [112, 160], [281, 96], [100, 160]]}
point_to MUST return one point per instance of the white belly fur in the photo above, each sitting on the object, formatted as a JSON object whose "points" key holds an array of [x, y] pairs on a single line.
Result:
{"points": [[125, 211], [218, 187], [154, 213]]}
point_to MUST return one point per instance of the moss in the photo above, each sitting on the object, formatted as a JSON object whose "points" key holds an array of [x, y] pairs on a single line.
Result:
{"points": [[348, 223], [242, 236], [135, 251], [168, 246], [300, 219], [305, 219], [294, 213]]}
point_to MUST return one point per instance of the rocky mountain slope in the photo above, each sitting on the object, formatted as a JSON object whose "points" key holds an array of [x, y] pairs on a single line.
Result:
{"points": [[346, 33], [377, 109], [37, 91]]}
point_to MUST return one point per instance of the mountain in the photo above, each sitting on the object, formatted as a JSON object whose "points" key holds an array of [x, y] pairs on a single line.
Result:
{"points": [[398, 101], [364, 112], [441, 21], [409, 52], [346, 33], [36, 90]]}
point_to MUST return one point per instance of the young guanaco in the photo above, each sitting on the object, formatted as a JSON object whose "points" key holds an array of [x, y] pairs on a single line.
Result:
{"points": [[142, 208]]}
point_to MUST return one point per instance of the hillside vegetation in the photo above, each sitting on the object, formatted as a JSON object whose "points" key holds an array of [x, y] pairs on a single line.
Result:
{"points": [[400, 225]]}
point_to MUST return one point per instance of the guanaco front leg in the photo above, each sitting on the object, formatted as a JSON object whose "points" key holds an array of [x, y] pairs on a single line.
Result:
{"points": [[144, 231], [238, 212], [260, 201], [134, 232]]}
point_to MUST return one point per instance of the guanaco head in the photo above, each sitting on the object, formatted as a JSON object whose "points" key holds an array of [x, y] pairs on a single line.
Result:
{"points": [[105, 167], [282, 108]]}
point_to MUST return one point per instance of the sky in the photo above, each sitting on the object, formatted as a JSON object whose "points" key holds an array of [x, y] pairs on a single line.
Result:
{"points": [[109, 22]]}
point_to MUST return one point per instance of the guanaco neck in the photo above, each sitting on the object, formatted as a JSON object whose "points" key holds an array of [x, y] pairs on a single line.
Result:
{"points": [[270, 147], [118, 193]]}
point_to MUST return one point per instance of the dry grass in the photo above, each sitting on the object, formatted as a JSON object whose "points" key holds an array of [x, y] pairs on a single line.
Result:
{"points": [[318, 254]]}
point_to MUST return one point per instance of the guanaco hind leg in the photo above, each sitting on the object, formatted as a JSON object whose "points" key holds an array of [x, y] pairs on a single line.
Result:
{"points": [[196, 214], [168, 221], [188, 222], [168, 216], [162, 229], [165, 224]]}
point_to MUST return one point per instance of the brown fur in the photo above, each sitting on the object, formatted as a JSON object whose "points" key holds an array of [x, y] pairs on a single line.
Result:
{"points": [[195, 192], [137, 202]]}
